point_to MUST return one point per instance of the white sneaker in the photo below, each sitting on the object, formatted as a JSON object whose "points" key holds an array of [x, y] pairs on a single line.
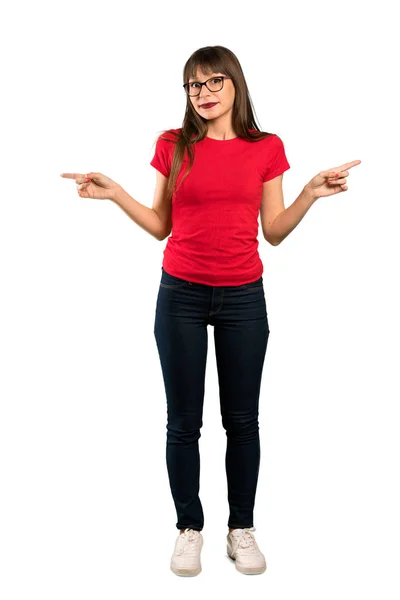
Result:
{"points": [[242, 548], [185, 560]]}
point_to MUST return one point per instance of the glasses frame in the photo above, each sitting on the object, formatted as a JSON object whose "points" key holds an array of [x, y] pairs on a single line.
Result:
{"points": [[186, 85]]}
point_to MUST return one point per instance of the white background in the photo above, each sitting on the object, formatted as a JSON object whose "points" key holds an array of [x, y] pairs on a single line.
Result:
{"points": [[85, 505]]}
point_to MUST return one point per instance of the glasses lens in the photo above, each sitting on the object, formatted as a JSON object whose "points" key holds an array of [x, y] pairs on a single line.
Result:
{"points": [[214, 85]]}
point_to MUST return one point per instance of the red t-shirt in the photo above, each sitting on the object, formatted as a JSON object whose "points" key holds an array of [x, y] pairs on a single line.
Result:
{"points": [[215, 212]]}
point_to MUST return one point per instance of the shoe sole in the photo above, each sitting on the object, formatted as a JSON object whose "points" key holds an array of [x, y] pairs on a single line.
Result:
{"points": [[248, 570], [185, 572]]}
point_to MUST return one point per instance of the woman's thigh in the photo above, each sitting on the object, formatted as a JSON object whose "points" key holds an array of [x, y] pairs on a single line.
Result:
{"points": [[181, 335], [241, 333]]}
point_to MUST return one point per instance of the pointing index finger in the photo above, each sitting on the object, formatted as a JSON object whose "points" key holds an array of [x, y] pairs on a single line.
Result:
{"points": [[349, 165], [72, 175]]}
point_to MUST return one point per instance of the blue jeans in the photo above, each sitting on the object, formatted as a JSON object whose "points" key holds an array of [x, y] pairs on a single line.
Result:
{"points": [[239, 316]]}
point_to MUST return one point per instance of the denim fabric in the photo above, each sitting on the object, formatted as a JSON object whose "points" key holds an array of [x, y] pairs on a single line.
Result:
{"points": [[239, 317]]}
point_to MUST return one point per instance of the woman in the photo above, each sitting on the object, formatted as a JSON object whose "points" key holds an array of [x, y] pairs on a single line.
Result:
{"points": [[215, 175]]}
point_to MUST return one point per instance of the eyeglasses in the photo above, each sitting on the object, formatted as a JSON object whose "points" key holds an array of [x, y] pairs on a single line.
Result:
{"points": [[215, 84]]}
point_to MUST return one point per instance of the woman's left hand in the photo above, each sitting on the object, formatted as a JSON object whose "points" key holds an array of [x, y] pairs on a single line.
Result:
{"points": [[330, 182]]}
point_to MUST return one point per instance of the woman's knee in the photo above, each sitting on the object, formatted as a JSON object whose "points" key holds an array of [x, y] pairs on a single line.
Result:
{"points": [[241, 427], [184, 430]]}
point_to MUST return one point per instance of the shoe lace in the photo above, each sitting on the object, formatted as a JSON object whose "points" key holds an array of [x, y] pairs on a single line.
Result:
{"points": [[189, 540], [244, 539]]}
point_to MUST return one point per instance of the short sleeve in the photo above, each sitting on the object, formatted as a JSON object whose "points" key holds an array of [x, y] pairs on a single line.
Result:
{"points": [[162, 157], [276, 162]]}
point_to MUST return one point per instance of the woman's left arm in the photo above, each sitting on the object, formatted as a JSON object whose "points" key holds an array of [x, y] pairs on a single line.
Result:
{"points": [[326, 183]]}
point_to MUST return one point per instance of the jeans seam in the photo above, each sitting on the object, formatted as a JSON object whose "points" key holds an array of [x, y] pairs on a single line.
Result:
{"points": [[214, 312]]}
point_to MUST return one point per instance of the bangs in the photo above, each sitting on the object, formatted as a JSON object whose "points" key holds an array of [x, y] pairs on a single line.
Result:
{"points": [[208, 66]]}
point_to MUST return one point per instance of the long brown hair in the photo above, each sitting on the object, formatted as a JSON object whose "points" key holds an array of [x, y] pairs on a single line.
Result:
{"points": [[211, 59]]}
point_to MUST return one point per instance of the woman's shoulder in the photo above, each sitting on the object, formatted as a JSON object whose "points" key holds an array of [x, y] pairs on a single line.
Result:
{"points": [[265, 135], [170, 135]]}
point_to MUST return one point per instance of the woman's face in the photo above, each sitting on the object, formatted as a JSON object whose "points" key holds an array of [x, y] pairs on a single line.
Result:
{"points": [[224, 98]]}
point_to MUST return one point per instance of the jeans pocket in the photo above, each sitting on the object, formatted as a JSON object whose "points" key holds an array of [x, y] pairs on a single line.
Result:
{"points": [[253, 285], [170, 281]]}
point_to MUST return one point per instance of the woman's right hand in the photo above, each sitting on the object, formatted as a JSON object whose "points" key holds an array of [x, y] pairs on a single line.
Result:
{"points": [[99, 186]]}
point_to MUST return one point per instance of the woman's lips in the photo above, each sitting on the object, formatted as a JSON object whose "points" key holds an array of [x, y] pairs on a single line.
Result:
{"points": [[209, 105]]}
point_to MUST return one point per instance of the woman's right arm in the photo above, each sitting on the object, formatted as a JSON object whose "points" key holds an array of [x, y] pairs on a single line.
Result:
{"points": [[156, 220]]}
